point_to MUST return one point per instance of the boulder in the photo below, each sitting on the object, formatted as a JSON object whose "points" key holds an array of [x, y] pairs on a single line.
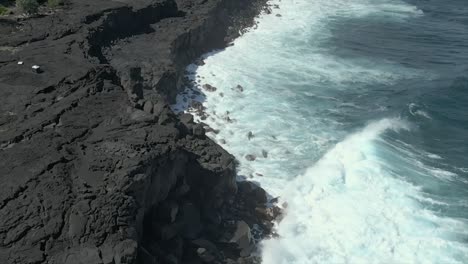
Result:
{"points": [[253, 193], [209, 88], [148, 107], [198, 130], [242, 236], [199, 62], [197, 106]]}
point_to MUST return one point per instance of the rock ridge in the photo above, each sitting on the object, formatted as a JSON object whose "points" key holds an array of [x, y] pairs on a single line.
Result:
{"points": [[94, 166]]}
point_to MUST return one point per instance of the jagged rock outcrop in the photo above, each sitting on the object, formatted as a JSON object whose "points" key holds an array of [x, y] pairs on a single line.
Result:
{"points": [[94, 166]]}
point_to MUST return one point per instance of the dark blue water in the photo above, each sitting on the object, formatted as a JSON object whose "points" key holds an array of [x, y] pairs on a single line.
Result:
{"points": [[362, 106], [436, 105]]}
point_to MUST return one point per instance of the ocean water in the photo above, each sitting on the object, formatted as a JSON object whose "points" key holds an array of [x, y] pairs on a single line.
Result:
{"points": [[358, 114]]}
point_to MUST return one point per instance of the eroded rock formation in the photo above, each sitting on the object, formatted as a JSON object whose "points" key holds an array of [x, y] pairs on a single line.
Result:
{"points": [[95, 167]]}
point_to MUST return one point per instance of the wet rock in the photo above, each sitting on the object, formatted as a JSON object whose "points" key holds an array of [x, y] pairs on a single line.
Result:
{"points": [[222, 141], [250, 157], [210, 129], [278, 15], [209, 88], [252, 192], [239, 88], [250, 135], [264, 153], [229, 119], [197, 106], [199, 62], [277, 213], [198, 130]]}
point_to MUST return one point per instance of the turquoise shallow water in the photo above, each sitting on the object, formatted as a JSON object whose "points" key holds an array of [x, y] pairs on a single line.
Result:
{"points": [[362, 108]]}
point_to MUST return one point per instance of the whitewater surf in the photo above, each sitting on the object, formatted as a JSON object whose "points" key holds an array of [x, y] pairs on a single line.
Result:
{"points": [[355, 112]]}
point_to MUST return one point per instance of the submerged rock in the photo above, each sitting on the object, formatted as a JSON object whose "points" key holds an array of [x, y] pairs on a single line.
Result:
{"points": [[250, 135], [250, 157]]}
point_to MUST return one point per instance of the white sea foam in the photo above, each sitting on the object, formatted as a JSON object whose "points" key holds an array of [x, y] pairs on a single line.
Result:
{"points": [[348, 208], [415, 110], [350, 205]]}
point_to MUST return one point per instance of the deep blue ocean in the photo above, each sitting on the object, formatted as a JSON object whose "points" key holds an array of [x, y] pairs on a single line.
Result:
{"points": [[362, 107]]}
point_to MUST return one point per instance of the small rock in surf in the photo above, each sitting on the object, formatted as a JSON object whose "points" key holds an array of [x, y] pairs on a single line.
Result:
{"points": [[250, 135], [250, 157], [209, 88]]}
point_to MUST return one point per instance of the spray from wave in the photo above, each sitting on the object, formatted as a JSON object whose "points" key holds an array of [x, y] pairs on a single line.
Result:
{"points": [[351, 208], [374, 196]]}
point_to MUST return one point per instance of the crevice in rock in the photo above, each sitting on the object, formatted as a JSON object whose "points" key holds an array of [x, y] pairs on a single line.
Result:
{"points": [[125, 22]]}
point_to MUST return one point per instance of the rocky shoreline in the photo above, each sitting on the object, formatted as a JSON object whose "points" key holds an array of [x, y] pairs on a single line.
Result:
{"points": [[95, 166]]}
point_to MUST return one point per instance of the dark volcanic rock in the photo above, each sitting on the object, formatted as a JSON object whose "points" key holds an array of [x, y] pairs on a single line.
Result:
{"points": [[250, 157], [209, 88], [250, 135], [95, 167]]}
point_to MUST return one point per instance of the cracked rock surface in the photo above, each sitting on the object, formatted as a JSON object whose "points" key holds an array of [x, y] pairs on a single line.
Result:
{"points": [[94, 166]]}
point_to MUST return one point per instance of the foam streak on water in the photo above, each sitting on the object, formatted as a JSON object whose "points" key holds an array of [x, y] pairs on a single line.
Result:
{"points": [[330, 139], [348, 208]]}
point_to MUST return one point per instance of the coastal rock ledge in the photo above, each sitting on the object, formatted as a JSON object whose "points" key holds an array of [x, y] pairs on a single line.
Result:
{"points": [[95, 167]]}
